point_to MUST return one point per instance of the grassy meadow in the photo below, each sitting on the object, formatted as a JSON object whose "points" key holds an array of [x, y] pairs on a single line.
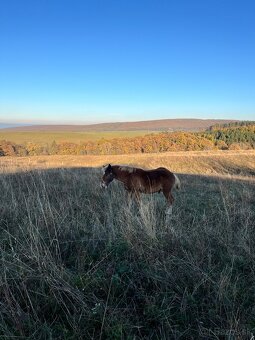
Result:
{"points": [[78, 262], [41, 137]]}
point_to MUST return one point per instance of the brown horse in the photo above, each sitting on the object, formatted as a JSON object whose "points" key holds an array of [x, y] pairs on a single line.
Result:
{"points": [[137, 181]]}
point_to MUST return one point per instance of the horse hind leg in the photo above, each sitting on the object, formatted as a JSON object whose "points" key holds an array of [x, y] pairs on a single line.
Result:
{"points": [[137, 197]]}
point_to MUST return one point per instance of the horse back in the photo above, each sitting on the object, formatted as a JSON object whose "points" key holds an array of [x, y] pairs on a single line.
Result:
{"points": [[149, 181], [159, 172]]}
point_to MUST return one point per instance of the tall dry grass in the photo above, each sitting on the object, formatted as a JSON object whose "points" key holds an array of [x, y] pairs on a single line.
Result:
{"points": [[191, 162], [80, 263]]}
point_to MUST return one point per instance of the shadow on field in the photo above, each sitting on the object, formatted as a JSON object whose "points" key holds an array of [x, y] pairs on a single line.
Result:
{"points": [[195, 184], [198, 193], [93, 175], [77, 262]]}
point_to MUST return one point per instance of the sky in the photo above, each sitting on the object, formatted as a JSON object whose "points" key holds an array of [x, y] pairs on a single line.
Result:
{"points": [[89, 61]]}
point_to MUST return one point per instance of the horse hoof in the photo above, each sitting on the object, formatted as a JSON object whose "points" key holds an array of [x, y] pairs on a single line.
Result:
{"points": [[169, 211]]}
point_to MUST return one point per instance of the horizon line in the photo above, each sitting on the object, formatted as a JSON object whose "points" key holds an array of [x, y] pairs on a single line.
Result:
{"points": [[49, 122]]}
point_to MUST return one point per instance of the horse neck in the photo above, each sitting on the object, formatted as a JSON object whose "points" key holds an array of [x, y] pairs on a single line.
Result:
{"points": [[120, 175]]}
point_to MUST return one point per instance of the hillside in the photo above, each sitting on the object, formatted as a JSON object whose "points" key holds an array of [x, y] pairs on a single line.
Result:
{"points": [[223, 138], [10, 125], [150, 125]]}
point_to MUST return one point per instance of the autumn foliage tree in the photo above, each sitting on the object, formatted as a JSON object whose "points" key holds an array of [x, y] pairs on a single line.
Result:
{"points": [[233, 137]]}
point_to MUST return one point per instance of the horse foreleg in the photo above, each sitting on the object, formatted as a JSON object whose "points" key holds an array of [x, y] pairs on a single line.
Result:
{"points": [[133, 196], [137, 197], [169, 210], [170, 201], [129, 199]]}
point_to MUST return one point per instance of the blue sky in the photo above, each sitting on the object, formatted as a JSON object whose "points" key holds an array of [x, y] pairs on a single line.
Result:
{"points": [[73, 61]]}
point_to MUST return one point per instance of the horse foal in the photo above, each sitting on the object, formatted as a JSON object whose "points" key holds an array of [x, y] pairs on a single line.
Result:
{"points": [[137, 181]]}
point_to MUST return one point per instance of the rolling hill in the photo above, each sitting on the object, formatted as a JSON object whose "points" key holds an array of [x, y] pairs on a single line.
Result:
{"points": [[150, 125]]}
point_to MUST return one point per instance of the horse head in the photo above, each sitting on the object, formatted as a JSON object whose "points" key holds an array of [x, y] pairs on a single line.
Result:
{"points": [[108, 176]]}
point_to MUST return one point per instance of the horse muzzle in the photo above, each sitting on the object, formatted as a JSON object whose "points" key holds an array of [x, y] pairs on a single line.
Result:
{"points": [[103, 185]]}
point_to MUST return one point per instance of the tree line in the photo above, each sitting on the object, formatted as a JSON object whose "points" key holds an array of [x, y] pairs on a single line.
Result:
{"points": [[231, 136]]}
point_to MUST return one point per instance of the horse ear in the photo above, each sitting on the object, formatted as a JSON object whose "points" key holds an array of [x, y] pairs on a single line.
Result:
{"points": [[104, 167], [109, 167]]}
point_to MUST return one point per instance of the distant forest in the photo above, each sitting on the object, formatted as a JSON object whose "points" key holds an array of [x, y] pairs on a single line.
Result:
{"points": [[232, 136]]}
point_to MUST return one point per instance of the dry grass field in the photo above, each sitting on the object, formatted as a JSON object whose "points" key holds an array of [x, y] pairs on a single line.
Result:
{"points": [[47, 137], [229, 163], [78, 262]]}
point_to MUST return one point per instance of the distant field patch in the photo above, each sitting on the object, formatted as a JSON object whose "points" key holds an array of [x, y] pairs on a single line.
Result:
{"points": [[72, 137]]}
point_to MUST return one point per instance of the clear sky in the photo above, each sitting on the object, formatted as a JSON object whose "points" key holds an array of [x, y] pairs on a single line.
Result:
{"points": [[115, 60]]}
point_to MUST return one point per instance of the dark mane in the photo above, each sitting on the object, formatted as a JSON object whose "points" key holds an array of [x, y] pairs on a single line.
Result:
{"points": [[126, 168]]}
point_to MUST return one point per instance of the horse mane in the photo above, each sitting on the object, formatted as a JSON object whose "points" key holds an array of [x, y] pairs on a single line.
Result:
{"points": [[127, 168], [123, 167]]}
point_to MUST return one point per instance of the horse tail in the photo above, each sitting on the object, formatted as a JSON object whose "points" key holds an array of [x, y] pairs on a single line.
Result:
{"points": [[177, 183]]}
